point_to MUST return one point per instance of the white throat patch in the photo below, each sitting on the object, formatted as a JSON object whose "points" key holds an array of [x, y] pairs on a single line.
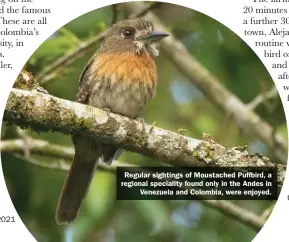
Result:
{"points": [[152, 48], [139, 46]]}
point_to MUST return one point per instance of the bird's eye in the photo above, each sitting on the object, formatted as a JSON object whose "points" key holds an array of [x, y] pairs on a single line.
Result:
{"points": [[127, 33]]}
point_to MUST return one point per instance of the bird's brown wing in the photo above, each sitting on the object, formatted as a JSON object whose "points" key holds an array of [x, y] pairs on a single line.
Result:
{"points": [[87, 154], [84, 89], [109, 153]]}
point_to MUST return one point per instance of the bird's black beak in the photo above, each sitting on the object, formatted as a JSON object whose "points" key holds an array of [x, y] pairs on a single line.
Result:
{"points": [[153, 36]]}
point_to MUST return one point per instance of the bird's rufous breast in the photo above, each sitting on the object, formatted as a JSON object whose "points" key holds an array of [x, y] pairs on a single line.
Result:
{"points": [[130, 81], [126, 68]]}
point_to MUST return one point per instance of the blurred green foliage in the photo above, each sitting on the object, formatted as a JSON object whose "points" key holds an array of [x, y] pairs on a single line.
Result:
{"points": [[178, 105]]}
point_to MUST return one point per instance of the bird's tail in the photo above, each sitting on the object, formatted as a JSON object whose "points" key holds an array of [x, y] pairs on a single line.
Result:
{"points": [[76, 186]]}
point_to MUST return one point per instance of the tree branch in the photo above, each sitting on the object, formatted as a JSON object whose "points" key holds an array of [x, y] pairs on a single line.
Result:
{"points": [[62, 153], [43, 112], [245, 118], [114, 13], [233, 210], [37, 147], [262, 98]]}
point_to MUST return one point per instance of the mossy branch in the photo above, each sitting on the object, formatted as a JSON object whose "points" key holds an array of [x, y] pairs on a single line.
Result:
{"points": [[43, 112]]}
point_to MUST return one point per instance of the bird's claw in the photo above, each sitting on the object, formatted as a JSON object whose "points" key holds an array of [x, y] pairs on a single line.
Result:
{"points": [[140, 119], [107, 110]]}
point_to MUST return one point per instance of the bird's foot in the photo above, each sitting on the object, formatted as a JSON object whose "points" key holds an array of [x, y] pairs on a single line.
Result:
{"points": [[107, 110], [140, 119]]}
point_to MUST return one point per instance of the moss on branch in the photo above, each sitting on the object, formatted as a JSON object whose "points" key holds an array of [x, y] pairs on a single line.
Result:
{"points": [[43, 112]]}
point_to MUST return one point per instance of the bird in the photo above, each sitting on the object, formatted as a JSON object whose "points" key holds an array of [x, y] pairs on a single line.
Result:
{"points": [[121, 77]]}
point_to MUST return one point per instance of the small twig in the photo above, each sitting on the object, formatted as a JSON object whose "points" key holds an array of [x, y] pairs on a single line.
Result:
{"points": [[237, 212], [114, 14], [60, 156], [26, 138], [152, 126], [37, 147], [146, 9], [267, 212], [262, 97], [274, 133], [73, 38], [48, 73]]}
